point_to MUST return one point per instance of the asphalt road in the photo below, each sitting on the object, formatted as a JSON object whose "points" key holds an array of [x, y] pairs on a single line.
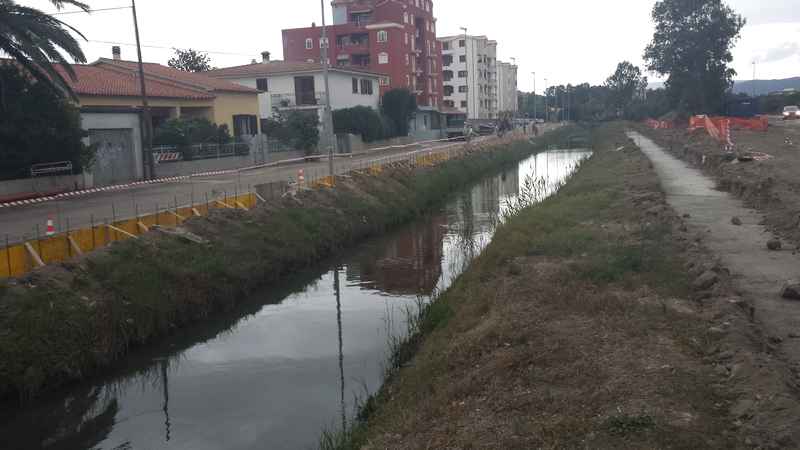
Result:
{"points": [[20, 223]]}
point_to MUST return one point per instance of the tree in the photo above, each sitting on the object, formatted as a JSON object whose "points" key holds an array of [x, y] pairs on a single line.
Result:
{"points": [[399, 105], [624, 86], [692, 45], [361, 120], [190, 61], [35, 40], [297, 129], [38, 126]]}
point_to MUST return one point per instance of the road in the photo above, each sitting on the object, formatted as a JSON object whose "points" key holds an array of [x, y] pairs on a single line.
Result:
{"points": [[20, 223]]}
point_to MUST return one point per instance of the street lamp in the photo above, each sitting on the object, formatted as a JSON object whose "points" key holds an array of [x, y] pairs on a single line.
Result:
{"points": [[546, 102], [466, 63], [328, 119], [534, 97]]}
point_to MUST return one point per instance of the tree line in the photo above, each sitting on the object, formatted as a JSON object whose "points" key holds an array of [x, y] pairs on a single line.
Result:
{"points": [[691, 46]]}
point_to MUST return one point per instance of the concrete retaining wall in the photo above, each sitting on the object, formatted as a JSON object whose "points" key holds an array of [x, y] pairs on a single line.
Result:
{"points": [[29, 187], [171, 169]]}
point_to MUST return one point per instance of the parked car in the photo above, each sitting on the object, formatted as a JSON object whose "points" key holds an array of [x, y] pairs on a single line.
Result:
{"points": [[791, 112]]}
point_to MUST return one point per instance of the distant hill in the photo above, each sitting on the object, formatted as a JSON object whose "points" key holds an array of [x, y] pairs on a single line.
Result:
{"points": [[762, 86]]}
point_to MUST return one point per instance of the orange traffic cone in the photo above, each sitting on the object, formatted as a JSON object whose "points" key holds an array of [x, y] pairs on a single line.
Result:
{"points": [[51, 228], [301, 177]]}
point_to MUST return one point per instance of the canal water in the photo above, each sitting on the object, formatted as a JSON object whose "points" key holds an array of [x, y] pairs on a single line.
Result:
{"points": [[292, 360]]}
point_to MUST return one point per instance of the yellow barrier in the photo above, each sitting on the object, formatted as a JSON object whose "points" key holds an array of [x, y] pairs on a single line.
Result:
{"points": [[17, 260]]}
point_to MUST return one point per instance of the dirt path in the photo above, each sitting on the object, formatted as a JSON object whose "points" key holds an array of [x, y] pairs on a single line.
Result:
{"points": [[759, 273]]}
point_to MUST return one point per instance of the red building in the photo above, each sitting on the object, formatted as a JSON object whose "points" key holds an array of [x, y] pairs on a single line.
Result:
{"points": [[396, 38]]}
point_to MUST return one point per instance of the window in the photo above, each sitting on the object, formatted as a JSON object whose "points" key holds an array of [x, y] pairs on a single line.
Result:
{"points": [[355, 85], [366, 87], [462, 43], [262, 84], [462, 89], [309, 44], [405, 17], [383, 58], [449, 103], [408, 59], [447, 60], [445, 46], [408, 80], [406, 39], [385, 81], [447, 75], [448, 90], [462, 58], [323, 42], [462, 74], [245, 125], [383, 36], [463, 104]]}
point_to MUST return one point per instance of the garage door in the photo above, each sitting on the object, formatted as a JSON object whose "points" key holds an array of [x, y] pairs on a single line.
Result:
{"points": [[115, 161]]}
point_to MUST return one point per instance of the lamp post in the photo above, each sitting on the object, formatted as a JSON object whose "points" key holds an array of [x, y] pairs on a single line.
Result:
{"points": [[534, 97], [327, 111], [466, 63], [546, 102]]}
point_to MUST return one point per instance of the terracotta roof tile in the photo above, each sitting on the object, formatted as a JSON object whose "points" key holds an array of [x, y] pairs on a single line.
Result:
{"points": [[99, 81], [278, 67], [196, 80]]}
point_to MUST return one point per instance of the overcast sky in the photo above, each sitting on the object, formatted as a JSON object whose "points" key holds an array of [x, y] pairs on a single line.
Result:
{"points": [[565, 41]]}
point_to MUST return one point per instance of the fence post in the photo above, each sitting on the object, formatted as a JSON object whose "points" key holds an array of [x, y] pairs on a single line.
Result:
{"points": [[8, 258], [208, 206], [94, 242], [39, 242], [114, 218], [66, 240]]}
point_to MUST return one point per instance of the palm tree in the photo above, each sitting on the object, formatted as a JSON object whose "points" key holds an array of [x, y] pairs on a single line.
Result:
{"points": [[35, 40]]}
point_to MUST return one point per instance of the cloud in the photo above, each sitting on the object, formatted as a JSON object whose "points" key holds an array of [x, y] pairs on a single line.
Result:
{"points": [[779, 53], [758, 12]]}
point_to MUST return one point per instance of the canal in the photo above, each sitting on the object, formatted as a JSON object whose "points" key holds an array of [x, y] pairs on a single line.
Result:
{"points": [[293, 359]]}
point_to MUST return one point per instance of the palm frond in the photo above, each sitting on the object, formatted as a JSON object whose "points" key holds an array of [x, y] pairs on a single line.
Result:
{"points": [[37, 41], [61, 3]]}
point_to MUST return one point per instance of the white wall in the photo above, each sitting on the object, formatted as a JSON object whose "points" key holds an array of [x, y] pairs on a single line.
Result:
{"points": [[477, 46], [340, 88], [117, 121]]}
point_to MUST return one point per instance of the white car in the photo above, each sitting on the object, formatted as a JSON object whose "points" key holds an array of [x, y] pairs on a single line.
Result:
{"points": [[791, 112]]}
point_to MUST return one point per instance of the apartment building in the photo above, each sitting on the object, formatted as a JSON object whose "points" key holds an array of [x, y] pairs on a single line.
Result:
{"points": [[469, 75], [507, 95], [395, 38]]}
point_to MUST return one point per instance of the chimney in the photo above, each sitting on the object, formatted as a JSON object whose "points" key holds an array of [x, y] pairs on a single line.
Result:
{"points": [[264, 57], [313, 24], [116, 52]]}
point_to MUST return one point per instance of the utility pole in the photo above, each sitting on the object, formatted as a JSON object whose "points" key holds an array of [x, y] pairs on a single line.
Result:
{"points": [[754, 79], [466, 63], [147, 141], [546, 102], [328, 118], [534, 97]]}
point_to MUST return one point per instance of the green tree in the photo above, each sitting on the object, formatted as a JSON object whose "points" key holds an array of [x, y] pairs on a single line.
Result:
{"points": [[36, 40], [692, 45], [297, 129], [361, 120], [624, 86], [399, 105], [190, 61], [38, 126]]}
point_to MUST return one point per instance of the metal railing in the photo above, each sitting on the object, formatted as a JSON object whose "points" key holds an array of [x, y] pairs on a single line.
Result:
{"points": [[167, 153], [298, 100]]}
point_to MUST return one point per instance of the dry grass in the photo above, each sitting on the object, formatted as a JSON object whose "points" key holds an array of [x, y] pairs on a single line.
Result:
{"points": [[569, 332]]}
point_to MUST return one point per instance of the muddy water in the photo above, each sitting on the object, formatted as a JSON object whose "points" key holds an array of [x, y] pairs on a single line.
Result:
{"points": [[291, 360]]}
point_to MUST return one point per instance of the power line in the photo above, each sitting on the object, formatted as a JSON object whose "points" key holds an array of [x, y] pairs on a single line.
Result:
{"points": [[212, 52], [63, 13]]}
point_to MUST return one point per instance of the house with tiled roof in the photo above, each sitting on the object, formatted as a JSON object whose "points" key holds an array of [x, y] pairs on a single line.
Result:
{"points": [[286, 86]]}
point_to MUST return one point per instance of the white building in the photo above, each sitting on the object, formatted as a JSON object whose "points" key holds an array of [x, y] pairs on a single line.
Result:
{"points": [[291, 86], [469, 68], [507, 96]]}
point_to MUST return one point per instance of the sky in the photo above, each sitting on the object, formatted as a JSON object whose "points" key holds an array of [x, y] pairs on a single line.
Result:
{"points": [[563, 41]]}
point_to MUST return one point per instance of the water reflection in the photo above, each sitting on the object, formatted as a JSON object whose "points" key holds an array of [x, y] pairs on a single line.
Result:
{"points": [[267, 375]]}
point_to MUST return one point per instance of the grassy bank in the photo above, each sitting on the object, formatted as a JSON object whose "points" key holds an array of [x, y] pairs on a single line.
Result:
{"points": [[572, 330], [65, 322]]}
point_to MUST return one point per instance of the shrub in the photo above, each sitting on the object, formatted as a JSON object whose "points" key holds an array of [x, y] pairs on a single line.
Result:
{"points": [[361, 120], [296, 129], [185, 132], [399, 105]]}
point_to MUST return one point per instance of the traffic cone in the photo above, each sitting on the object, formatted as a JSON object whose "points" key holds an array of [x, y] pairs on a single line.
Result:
{"points": [[301, 177], [51, 228]]}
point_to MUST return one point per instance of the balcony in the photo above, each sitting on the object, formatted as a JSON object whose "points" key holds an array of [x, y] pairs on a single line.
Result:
{"points": [[299, 100]]}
